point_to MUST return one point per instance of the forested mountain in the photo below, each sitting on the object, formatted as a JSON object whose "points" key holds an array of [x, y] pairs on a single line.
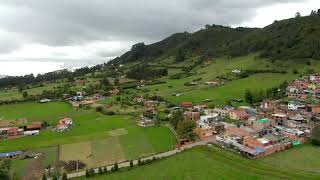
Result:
{"points": [[296, 38]]}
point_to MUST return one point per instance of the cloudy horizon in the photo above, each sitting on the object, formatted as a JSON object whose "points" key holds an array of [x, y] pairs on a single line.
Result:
{"points": [[38, 36]]}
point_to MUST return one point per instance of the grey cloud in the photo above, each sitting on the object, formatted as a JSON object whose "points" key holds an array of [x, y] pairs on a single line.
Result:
{"points": [[77, 22]]}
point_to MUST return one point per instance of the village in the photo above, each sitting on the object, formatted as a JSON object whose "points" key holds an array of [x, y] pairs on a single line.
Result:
{"points": [[266, 128]]}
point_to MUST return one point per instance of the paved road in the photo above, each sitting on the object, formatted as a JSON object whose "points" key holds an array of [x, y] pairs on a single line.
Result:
{"points": [[161, 155]]}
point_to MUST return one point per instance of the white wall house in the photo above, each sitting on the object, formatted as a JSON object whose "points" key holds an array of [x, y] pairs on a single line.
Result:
{"points": [[293, 105]]}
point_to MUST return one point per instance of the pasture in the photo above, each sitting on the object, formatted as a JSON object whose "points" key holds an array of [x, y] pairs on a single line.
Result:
{"points": [[216, 163]]}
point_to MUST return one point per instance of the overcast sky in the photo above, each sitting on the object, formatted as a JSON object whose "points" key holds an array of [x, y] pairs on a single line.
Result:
{"points": [[38, 36]]}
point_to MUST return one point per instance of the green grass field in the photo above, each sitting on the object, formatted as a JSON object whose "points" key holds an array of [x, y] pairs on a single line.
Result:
{"points": [[35, 111], [216, 163]]}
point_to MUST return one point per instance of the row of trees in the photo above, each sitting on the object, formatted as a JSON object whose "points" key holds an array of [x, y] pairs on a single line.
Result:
{"points": [[252, 97], [30, 79], [145, 72], [183, 127]]}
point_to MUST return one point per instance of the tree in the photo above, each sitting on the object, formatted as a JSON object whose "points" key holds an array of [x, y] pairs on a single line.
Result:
{"points": [[87, 173], [5, 170], [298, 15], [248, 96], [139, 162], [131, 164], [176, 118], [212, 106], [116, 167], [185, 129], [315, 135], [313, 13], [100, 170], [64, 176], [25, 94], [105, 170], [181, 56], [318, 13], [116, 82], [44, 177]]}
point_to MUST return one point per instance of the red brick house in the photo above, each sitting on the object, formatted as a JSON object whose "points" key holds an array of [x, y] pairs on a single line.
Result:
{"points": [[192, 116], [239, 114], [186, 105]]}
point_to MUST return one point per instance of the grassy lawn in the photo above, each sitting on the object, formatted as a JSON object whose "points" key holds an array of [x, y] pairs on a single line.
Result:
{"points": [[215, 163], [35, 111]]}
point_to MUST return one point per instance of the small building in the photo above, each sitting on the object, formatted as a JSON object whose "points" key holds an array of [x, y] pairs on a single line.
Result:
{"points": [[295, 105], [150, 103], [210, 118], [138, 99], [239, 114], [192, 116], [186, 105], [204, 132], [280, 118], [61, 128], [114, 91], [15, 133], [220, 112], [236, 71], [315, 78], [34, 126], [146, 122], [31, 133], [66, 121], [11, 155], [45, 100], [240, 131], [200, 108]]}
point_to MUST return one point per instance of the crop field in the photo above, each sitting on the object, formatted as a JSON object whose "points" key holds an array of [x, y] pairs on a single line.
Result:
{"points": [[216, 163], [133, 144]]}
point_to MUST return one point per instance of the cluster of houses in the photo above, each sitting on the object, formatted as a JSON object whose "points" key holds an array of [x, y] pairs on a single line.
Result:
{"points": [[18, 132], [305, 88], [271, 127]]}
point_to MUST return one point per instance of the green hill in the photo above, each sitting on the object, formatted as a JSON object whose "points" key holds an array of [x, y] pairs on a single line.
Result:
{"points": [[295, 38]]}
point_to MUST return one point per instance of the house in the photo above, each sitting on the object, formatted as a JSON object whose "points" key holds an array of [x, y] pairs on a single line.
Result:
{"points": [[138, 99], [240, 131], [315, 109], [186, 105], [14, 132], [200, 108], [220, 112], [11, 155], [34, 126], [212, 83], [239, 114], [260, 124], [150, 103], [192, 116], [269, 104], [280, 118], [45, 100], [315, 78], [295, 105], [114, 91], [31, 133], [210, 118], [204, 132], [61, 128], [66, 121], [152, 110], [146, 122], [236, 71]]}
